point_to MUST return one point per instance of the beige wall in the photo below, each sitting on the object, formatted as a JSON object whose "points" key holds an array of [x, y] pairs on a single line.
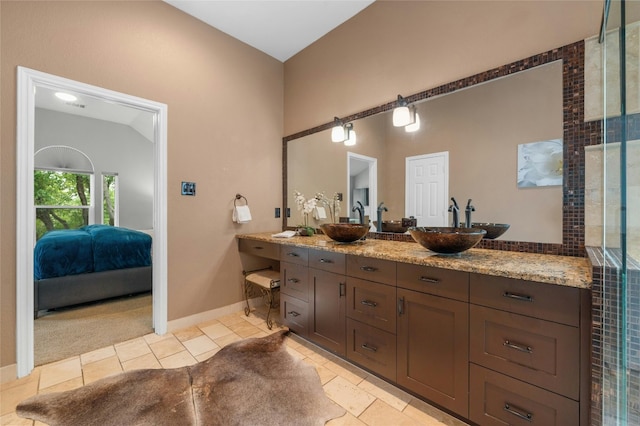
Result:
{"points": [[225, 103], [404, 47]]}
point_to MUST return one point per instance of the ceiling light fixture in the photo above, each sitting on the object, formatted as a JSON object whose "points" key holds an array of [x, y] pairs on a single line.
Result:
{"points": [[67, 97]]}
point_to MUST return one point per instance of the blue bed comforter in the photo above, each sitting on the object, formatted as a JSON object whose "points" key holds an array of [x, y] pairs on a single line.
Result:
{"points": [[92, 248]]}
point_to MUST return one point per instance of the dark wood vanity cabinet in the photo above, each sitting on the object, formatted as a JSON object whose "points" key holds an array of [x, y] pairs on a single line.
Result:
{"points": [[371, 314], [294, 289], [494, 350], [327, 295], [527, 353], [433, 335]]}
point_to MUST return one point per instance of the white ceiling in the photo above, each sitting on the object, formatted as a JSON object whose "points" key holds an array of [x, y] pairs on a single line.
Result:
{"points": [[279, 28]]}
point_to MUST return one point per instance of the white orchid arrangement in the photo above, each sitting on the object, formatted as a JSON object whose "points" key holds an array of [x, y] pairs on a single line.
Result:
{"points": [[305, 206], [333, 204]]}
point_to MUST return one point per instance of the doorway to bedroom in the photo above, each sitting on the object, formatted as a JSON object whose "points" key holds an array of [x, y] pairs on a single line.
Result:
{"points": [[93, 165]]}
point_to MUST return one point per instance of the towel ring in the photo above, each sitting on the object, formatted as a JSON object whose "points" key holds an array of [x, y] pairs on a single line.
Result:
{"points": [[238, 197]]}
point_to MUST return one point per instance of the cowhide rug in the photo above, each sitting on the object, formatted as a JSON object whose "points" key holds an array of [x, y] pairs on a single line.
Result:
{"points": [[251, 382]]}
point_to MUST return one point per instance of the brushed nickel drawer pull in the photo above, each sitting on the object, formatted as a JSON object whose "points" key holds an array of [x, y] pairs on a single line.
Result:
{"points": [[293, 280], [326, 261], [292, 254], [401, 306], [521, 297], [518, 346], [342, 290], [369, 348], [369, 303], [518, 412], [293, 314], [368, 268], [429, 280]]}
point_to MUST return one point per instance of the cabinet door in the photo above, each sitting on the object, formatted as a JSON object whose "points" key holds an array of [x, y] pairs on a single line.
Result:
{"points": [[433, 348], [327, 325]]}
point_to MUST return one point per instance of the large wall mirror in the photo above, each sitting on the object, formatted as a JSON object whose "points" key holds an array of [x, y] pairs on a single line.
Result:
{"points": [[481, 128]]}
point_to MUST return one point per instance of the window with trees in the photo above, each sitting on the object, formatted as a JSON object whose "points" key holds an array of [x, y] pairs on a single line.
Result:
{"points": [[62, 200]]}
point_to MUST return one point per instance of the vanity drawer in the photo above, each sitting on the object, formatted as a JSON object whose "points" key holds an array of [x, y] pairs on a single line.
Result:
{"points": [[293, 254], [545, 301], [378, 270], [437, 281], [259, 248], [501, 400], [295, 314], [372, 303], [542, 353], [372, 348], [294, 280], [327, 261]]}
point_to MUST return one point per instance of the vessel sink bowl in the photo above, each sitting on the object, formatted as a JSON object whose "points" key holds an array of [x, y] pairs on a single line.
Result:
{"points": [[447, 240], [494, 230], [344, 232], [392, 226]]}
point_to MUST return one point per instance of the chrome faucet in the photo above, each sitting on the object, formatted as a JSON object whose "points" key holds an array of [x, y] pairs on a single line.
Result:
{"points": [[456, 213], [360, 209], [381, 208], [467, 213]]}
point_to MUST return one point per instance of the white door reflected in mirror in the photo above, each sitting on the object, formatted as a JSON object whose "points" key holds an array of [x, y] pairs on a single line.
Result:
{"points": [[427, 190]]}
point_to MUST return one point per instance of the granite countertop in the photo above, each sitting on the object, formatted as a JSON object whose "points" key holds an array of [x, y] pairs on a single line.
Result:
{"points": [[545, 268]]}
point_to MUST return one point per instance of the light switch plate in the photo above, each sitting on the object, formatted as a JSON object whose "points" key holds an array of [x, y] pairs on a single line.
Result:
{"points": [[189, 188]]}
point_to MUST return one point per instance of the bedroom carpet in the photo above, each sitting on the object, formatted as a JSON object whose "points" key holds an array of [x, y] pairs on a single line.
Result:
{"points": [[67, 332]]}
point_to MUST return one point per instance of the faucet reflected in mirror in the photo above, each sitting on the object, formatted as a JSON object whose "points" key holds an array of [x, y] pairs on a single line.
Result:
{"points": [[455, 210], [381, 208], [360, 209]]}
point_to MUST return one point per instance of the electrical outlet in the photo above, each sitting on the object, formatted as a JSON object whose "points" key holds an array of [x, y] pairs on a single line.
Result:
{"points": [[277, 212], [189, 188]]}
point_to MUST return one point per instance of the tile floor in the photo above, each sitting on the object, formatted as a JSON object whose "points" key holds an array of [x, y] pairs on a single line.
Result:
{"points": [[367, 399]]}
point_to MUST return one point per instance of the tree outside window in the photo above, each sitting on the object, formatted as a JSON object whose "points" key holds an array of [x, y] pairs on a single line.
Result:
{"points": [[110, 199]]}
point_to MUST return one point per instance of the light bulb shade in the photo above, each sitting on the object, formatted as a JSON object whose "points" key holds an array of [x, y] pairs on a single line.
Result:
{"points": [[401, 116], [415, 126], [351, 139], [338, 133]]}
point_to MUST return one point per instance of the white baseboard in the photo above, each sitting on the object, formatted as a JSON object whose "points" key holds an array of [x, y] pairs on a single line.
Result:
{"points": [[201, 317], [8, 373]]}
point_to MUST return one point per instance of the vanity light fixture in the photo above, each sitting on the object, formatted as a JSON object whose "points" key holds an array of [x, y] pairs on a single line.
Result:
{"points": [[338, 132], [67, 97], [351, 135], [415, 126], [402, 113]]}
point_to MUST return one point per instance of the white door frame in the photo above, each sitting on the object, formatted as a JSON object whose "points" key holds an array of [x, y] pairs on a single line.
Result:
{"points": [[445, 194], [28, 80], [373, 180]]}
